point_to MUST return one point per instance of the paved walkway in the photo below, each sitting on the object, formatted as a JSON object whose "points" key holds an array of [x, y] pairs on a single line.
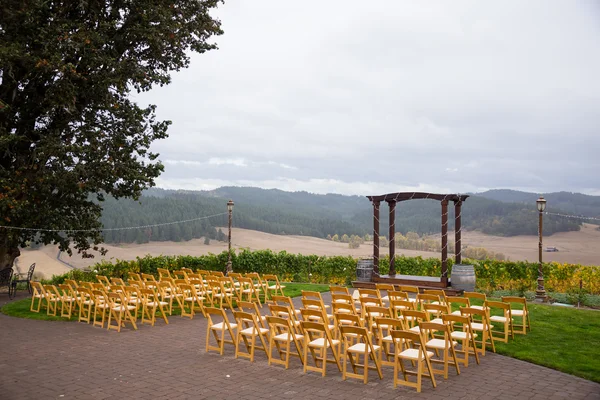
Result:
{"points": [[68, 360]]}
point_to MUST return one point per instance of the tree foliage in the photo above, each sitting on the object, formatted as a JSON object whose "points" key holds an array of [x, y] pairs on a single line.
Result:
{"points": [[69, 131]]}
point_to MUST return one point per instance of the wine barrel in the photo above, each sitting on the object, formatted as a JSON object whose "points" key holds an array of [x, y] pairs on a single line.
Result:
{"points": [[463, 277], [364, 269]]}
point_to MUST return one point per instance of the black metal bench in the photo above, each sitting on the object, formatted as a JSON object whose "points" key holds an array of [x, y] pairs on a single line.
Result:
{"points": [[26, 280], [6, 279]]}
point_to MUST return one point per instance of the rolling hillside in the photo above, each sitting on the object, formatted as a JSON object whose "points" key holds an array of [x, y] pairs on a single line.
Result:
{"points": [[306, 214]]}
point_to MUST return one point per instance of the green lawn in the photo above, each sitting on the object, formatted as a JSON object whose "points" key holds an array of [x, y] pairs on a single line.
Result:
{"points": [[566, 339]]}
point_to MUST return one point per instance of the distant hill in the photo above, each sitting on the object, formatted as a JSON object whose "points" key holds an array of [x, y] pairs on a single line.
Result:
{"points": [[572, 203], [302, 213]]}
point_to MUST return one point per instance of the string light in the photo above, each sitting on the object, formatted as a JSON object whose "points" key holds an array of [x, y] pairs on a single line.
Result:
{"points": [[572, 216], [19, 228]]}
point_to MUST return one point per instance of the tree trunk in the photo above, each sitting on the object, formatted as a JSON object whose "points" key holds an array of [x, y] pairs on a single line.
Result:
{"points": [[8, 252]]}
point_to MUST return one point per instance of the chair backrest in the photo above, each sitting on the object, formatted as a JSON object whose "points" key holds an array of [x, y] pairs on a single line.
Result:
{"points": [[518, 300], [338, 290], [378, 311], [428, 298], [376, 301], [278, 325], [284, 300], [461, 301], [307, 313], [216, 312], [72, 283], [316, 330], [428, 329], [248, 306], [408, 289], [470, 311], [116, 281], [370, 293], [436, 292], [389, 323], [180, 274], [347, 319], [312, 303], [359, 334], [404, 336], [341, 298], [475, 295], [437, 308], [30, 272], [397, 295], [343, 308], [103, 280], [311, 294], [132, 276], [245, 319], [277, 310], [163, 273], [505, 307], [418, 315]]}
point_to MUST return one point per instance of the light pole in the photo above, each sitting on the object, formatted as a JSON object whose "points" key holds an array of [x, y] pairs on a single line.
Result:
{"points": [[230, 210], [540, 293]]}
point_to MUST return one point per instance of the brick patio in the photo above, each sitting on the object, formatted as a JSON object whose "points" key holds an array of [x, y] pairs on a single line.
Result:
{"points": [[69, 360]]}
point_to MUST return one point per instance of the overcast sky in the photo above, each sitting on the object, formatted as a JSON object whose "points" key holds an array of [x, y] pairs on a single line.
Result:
{"points": [[358, 97]]}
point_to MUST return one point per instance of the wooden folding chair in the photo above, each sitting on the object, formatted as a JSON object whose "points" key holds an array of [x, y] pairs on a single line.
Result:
{"points": [[191, 297], [86, 304], [357, 343], [384, 328], [456, 302], [373, 312], [412, 318], [39, 294], [248, 330], [313, 295], [397, 306], [53, 299], [133, 296], [252, 308], [259, 285], [480, 297], [317, 338], [338, 290], [163, 273], [341, 298], [410, 290], [437, 292], [465, 335], [224, 291], [101, 306], [282, 335], [423, 298], [69, 301], [484, 327], [168, 292], [286, 301], [104, 281], [314, 304], [151, 302], [218, 329], [445, 344], [133, 277], [415, 351], [436, 311], [284, 311], [120, 310], [519, 311], [344, 308], [249, 290], [273, 285], [505, 319], [384, 287]]}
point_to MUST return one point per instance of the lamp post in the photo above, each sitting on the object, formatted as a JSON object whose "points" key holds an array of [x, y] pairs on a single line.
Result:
{"points": [[540, 293], [230, 211]]}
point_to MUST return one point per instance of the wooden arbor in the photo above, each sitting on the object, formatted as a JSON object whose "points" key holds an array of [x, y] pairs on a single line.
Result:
{"points": [[392, 199]]}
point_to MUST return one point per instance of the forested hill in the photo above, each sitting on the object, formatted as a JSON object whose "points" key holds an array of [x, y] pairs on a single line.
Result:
{"points": [[572, 203], [302, 213]]}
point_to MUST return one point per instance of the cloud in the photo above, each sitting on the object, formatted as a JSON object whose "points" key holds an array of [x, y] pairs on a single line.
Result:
{"points": [[454, 96]]}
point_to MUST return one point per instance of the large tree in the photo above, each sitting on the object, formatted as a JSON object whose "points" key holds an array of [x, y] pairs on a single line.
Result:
{"points": [[69, 130]]}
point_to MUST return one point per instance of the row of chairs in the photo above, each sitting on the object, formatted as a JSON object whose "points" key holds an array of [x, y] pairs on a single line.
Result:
{"points": [[380, 335], [146, 296]]}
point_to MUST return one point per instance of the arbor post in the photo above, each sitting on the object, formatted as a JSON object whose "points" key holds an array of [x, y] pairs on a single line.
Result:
{"points": [[376, 238], [392, 236], [445, 241]]}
